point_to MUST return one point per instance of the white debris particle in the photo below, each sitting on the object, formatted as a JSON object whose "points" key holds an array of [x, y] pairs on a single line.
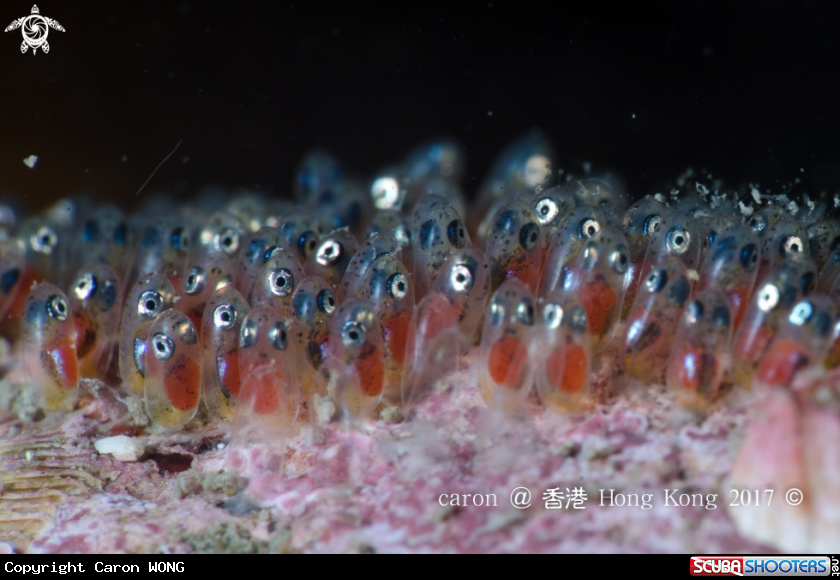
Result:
{"points": [[756, 195], [746, 210], [701, 189], [836, 200], [30, 455], [587, 167], [31, 161], [489, 113], [123, 448], [675, 193], [693, 274], [220, 446], [634, 115], [802, 169], [661, 198], [792, 207]]}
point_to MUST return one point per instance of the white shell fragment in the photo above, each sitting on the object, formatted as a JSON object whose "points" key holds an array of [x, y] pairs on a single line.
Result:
{"points": [[123, 448]]}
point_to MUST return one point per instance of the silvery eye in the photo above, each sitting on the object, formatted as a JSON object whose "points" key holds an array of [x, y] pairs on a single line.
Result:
{"points": [[196, 280], [525, 311], [163, 346], [656, 281], [326, 301], [618, 259], [397, 286], [587, 228], [385, 192], [401, 235], [277, 336], [758, 224], [590, 255], [651, 225], [57, 307], [790, 245], [271, 252], [140, 356], [694, 312], [553, 315], [801, 313], [461, 278], [281, 281], [547, 210], [85, 286], [224, 317], [352, 334], [329, 253], [497, 313], [529, 235], [248, 334], [44, 240], [677, 240], [149, 304], [768, 297], [185, 330], [228, 241]]}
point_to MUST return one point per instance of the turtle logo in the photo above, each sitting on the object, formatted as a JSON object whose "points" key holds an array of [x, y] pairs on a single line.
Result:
{"points": [[35, 29]]}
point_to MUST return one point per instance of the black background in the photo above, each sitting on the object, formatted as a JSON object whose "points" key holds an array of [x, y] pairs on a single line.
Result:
{"points": [[744, 89]]}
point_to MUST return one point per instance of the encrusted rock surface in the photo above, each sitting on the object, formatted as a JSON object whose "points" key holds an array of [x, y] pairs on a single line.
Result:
{"points": [[374, 486]]}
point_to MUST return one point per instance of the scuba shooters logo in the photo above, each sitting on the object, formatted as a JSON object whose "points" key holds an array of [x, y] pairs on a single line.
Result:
{"points": [[35, 29], [760, 566]]}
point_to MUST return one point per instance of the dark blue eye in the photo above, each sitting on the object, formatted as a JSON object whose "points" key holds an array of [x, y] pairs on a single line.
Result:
{"points": [[429, 234], [456, 232], [806, 283], [307, 242], [108, 296], [9, 279], [256, 250], [151, 237], [720, 315], [749, 256], [328, 197], [268, 252], [179, 240], [725, 250], [91, 231], [823, 323], [712, 237], [507, 223], [120, 234], [528, 236], [680, 290]]}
